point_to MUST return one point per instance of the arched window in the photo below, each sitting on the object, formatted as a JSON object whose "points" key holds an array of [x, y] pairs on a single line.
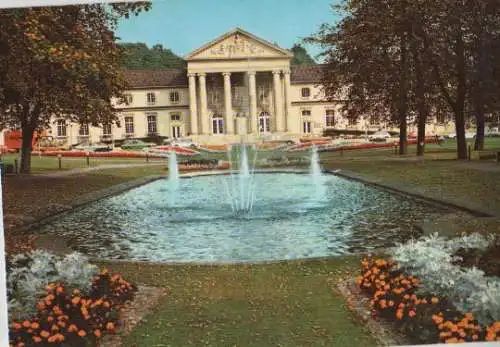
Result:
{"points": [[264, 122], [217, 124]]}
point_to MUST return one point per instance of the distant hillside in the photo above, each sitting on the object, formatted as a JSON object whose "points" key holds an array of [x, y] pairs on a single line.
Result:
{"points": [[140, 56]]}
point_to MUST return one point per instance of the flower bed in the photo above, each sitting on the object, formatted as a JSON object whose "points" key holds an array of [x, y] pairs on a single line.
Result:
{"points": [[429, 298], [76, 306]]}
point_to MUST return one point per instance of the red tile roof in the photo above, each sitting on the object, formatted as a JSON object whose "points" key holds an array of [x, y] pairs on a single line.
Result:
{"points": [[306, 73]]}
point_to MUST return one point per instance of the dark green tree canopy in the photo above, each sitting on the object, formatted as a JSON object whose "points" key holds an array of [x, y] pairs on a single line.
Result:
{"points": [[300, 56], [140, 56]]}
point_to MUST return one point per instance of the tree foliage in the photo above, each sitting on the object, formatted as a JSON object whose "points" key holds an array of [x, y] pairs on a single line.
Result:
{"points": [[59, 62], [300, 56], [415, 58], [140, 56]]}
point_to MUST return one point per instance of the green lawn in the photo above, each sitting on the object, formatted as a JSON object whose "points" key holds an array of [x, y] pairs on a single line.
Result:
{"points": [[42, 164], [280, 304]]}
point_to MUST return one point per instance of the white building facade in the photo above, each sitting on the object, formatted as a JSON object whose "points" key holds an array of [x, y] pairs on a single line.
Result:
{"points": [[235, 88]]}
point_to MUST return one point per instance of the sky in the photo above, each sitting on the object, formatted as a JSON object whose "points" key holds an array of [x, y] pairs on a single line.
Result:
{"points": [[185, 25]]}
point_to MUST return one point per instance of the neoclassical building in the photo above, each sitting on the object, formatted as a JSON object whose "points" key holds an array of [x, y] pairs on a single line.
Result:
{"points": [[235, 88]]}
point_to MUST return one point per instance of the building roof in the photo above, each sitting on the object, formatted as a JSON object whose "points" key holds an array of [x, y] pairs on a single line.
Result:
{"points": [[306, 73], [156, 78], [178, 77]]}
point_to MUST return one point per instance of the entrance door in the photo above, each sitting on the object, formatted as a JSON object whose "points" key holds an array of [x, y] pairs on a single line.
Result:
{"points": [[176, 131], [264, 123]]}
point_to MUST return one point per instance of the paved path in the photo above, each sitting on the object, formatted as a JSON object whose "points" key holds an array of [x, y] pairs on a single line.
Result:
{"points": [[95, 168], [485, 166]]}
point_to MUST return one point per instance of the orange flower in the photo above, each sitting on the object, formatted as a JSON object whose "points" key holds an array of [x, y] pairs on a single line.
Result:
{"points": [[35, 325], [434, 300], [391, 303], [16, 326], [72, 328], [399, 314], [82, 333], [110, 326], [26, 324], [452, 340], [412, 313], [59, 290], [37, 339], [44, 334], [475, 337], [75, 300], [437, 319], [97, 333]]}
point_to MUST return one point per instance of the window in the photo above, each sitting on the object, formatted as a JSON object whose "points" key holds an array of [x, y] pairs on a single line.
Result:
{"points": [[264, 122], [84, 130], [174, 96], [128, 99], [176, 131], [152, 128], [151, 98], [106, 129], [330, 118], [61, 128], [305, 92], [175, 117], [129, 125], [217, 124], [306, 126], [306, 113]]}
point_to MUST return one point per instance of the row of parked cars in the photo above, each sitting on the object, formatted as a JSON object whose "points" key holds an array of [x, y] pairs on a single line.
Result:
{"points": [[135, 145]]}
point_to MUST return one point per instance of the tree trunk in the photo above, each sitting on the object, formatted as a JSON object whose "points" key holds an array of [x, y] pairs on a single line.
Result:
{"points": [[419, 96], [461, 95], [403, 96], [26, 148], [479, 142], [460, 130]]}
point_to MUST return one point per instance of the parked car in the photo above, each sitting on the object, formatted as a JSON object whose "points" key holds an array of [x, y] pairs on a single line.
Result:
{"points": [[98, 147], [379, 136], [136, 145], [182, 142]]}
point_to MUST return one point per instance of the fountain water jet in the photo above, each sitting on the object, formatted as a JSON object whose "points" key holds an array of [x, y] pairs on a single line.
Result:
{"points": [[241, 193], [316, 173], [173, 177], [173, 168]]}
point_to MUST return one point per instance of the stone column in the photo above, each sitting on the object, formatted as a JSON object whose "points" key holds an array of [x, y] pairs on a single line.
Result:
{"points": [[252, 93], [278, 102], [205, 122], [288, 104], [193, 103], [228, 107]]}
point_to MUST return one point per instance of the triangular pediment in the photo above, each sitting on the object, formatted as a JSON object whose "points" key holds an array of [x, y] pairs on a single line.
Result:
{"points": [[238, 44]]}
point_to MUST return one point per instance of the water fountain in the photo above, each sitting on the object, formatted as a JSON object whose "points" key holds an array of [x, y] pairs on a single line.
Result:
{"points": [[173, 168], [316, 173], [241, 191]]}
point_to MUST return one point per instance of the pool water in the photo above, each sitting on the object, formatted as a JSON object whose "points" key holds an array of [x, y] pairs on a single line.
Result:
{"points": [[293, 216]]}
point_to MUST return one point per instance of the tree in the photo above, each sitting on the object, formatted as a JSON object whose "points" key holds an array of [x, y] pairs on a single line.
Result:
{"points": [[62, 62], [300, 56], [140, 56], [367, 58]]}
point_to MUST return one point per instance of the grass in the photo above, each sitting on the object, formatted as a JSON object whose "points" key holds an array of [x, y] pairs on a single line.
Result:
{"points": [[279, 304], [44, 164]]}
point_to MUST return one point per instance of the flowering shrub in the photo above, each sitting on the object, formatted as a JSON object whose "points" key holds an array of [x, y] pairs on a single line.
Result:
{"points": [[69, 318], [425, 318], [30, 273], [469, 290]]}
